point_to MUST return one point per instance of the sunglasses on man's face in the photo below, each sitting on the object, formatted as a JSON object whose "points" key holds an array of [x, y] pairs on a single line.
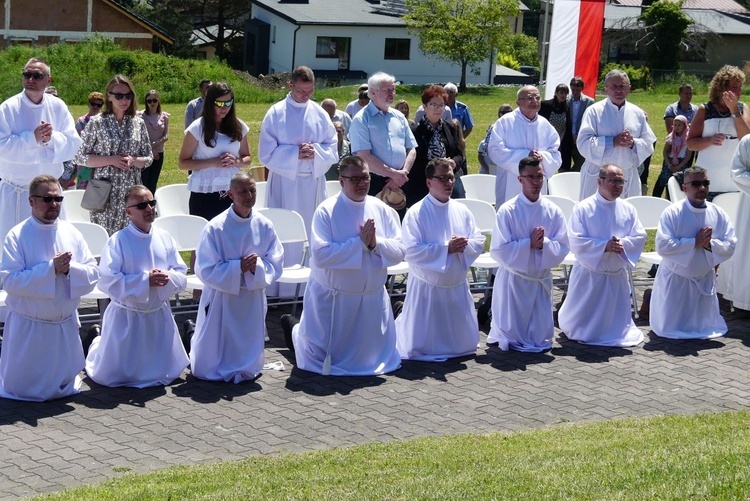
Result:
{"points": [[143, 205], [129, 96], [32, 75], [698, 184], [48, 199], [95, 105]]}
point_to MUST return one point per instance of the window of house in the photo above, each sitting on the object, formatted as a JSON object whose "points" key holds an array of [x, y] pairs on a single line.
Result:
{"points": [[333, 47], [273, 34], [397, 48]]}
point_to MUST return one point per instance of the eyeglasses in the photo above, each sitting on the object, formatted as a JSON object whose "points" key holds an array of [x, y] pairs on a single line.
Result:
{"points": [[95, 105], [533, 97], [119, 96], [224, 104], [32, 75], [358, 179], [48, 199], [538, 179], [436, 106], [445, 179], [152, 101], [698, 184], [619, 87], [143, 205], [616, 182]]}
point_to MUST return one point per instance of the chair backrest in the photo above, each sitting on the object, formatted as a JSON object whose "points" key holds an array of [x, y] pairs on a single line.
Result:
{"points": [[675, 190], [484, 213], [480, 187], [289, 225], [333, 187], [565, 184], [260, 194], [566, 205], [96, 237], [730, 202], [649, 210], [185, 229], [72, 206], [172, 199]]}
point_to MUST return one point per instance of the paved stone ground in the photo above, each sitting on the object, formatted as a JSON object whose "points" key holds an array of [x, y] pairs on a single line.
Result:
{"points": [[104, 432]]}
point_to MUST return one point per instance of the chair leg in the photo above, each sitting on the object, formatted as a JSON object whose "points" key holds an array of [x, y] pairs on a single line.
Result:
{"points": [[634, 299], [296, 300]]}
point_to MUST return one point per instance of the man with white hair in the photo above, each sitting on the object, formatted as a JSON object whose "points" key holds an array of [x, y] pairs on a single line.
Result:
{"points": [[520, 134], [614, 131], [37, 134], [459, 111], [381, 135]]}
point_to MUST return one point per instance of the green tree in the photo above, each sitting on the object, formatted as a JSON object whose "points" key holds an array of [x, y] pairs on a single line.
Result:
{"points": [[466, 32], [666, 31], [523, 48]]}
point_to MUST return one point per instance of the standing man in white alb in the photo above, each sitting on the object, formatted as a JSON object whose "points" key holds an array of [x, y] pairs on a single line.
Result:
{"points": [[530, 238], [614, 131], [607, 239], [520, 134], [298, 144], [46, 268], [37, 134], [694, 236], [438, 320]]}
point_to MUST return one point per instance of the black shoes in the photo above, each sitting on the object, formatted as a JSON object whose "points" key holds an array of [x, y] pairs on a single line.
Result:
{"points": [[287, 324], [94, 331], [188, 329]]}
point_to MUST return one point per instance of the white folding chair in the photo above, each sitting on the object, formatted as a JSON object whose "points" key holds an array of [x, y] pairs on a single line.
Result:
{"points": [[730, 202], [484, 217], [649, 210], [566, 205], [260, 194], [333, 187], [395, 270], [3, 309], [480, 187], [72, 206], [96, 238], [172, 199], [675, 190], [565, 184], [290, 229], [186, 231]]}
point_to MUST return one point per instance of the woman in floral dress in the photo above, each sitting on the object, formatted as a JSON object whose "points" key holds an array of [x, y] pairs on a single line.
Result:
{"points": [[117, 147]]}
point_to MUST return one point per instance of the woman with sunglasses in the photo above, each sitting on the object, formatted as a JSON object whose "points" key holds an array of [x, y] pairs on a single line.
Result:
{"points": [[215, 148], [157, 125], [117, 147], [96, 101]]}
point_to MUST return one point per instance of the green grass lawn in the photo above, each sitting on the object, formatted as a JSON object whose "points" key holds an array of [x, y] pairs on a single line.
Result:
{"points": [[674, 457], [482, 101]]}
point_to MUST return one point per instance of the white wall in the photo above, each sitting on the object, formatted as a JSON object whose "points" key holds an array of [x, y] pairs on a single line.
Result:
{"points": [[367, 51]]}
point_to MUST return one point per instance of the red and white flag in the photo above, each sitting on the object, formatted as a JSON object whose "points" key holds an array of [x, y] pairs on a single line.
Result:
{"points": [[575, 43]]}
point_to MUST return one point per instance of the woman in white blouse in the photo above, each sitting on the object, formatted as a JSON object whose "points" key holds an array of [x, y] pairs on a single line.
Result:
{"points": [[214, 149], [116, 146]]}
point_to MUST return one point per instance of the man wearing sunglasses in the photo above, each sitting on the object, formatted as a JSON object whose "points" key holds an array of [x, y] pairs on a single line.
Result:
{"points": [[694, 236], [141, 269], [607, 239], [37, 134], [46, 268]]}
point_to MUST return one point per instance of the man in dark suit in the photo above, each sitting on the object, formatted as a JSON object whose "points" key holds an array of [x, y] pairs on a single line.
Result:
{"points": [[577, 102]]}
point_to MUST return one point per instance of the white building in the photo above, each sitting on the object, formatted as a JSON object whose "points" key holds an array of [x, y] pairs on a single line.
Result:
{"points": [[345, 41]]}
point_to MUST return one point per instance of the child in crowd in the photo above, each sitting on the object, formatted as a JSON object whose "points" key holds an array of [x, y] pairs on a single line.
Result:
{"points": [[676, 155]]}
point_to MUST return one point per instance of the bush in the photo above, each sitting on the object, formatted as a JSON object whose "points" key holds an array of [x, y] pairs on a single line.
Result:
{"points": [[80, 68], [640, 78], [508, 61]]}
